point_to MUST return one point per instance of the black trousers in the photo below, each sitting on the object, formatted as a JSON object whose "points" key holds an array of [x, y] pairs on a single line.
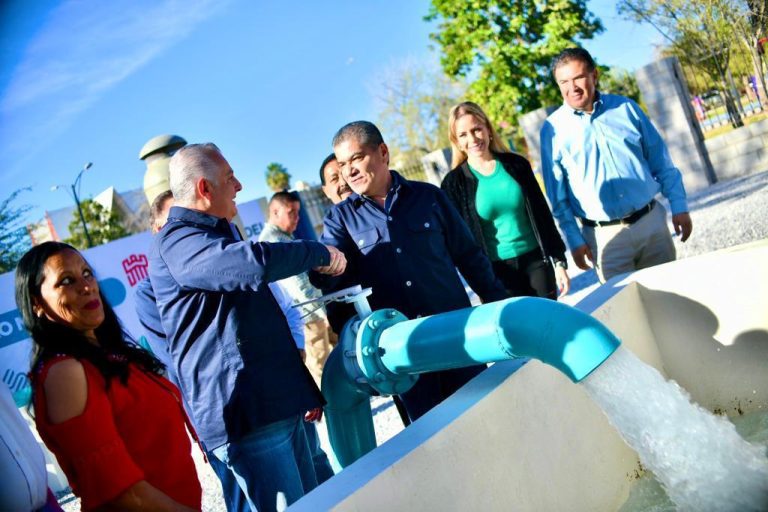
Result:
{"points": [[527, 275]]}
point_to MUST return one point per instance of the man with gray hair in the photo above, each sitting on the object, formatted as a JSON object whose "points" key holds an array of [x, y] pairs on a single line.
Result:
{"points": [[405, 240], [229, 343]]}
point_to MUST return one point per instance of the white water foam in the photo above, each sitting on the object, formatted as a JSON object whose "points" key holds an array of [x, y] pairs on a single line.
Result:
{"points": [[701, 461]]}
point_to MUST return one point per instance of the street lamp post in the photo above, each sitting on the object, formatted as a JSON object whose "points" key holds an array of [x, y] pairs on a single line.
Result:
{"points": [[74, 188]]}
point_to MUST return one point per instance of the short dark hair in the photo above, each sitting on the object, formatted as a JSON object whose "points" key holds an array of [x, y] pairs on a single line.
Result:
{"points": [[157, 207], [364, 132], [115, 349], [575, 53], [284, 197], [330, 158]]}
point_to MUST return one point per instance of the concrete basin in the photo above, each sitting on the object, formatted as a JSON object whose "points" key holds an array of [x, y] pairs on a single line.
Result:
{"points": [[523, 437]]}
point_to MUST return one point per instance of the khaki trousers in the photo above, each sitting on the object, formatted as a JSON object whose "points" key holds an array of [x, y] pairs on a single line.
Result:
{"points": [[317, 346], [620, 248]]}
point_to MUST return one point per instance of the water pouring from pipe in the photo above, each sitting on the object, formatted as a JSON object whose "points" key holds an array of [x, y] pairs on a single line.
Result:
{"points": [[384, 352], [699, 458]]}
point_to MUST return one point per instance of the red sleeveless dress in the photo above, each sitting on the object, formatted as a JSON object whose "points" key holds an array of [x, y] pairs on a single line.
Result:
{"points": [[127, 433]]}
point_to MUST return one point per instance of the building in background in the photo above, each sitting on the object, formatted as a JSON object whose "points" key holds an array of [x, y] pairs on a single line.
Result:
{"points": [[131, 207]]}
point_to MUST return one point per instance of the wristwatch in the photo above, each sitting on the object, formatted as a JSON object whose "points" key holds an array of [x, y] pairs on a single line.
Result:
{"points": [[561, 264]]}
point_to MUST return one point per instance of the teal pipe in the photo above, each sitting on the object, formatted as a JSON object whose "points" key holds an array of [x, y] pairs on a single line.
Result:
{"points": [[385, 352], [554, 333], [348, 415]]}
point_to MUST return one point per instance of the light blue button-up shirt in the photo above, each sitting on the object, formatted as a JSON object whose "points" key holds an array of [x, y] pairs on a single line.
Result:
{"points": [[605, 165]]}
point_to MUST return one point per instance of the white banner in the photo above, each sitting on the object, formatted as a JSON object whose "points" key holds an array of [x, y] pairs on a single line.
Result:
{"points": [[253, 219], [118, 265]]}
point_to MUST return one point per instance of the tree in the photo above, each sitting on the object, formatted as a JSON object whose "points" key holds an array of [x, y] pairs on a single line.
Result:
{"points": [[619, 81], [413, 100], [103, 225], [277, 177], [14, 238], [699, 33], [750, 26], [507, 46]]}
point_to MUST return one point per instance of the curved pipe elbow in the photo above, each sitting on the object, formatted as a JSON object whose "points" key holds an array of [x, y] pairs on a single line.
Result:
{"points": [[556, 334]]}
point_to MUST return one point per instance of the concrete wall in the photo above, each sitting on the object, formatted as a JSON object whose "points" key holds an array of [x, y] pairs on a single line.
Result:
{"points": [[531, 124], [740, 152], [436, 165], [665, 93], [527, 439]]}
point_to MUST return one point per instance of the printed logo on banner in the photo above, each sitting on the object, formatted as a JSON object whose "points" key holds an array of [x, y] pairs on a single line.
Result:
{"points": [[114, 290], [135, 267], [12, 328], [15, 380], [254, 230]]}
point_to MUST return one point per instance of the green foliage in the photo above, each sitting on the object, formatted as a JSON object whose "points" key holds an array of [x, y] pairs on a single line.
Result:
{"points": [[506, 48], [103, 226], [277, 177], [619, 81], [14, 238], [413, 100], [697, 31], [709, 38]]}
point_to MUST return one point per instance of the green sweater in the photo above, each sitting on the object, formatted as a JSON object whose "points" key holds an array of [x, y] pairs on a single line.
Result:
{"points": [[501, 207]]}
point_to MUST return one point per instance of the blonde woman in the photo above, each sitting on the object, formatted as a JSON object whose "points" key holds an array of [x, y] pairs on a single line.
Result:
{"points": [[499, 198]]}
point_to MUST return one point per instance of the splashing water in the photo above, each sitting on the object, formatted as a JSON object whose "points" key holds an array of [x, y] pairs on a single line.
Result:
{"points": [[647, 495], [699, 458]]}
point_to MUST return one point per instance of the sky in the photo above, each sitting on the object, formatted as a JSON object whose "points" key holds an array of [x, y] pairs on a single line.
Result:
{"points": [[267, 81]]}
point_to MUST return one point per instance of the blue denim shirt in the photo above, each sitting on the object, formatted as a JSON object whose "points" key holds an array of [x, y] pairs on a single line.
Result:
{"points": [[606, 165], [230, 344], [149, 318], [408, 252]]}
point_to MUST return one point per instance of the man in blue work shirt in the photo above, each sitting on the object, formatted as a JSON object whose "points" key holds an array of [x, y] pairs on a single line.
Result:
{"points": [[604, 162], [144, 296], [230, 344], [405, 240]]}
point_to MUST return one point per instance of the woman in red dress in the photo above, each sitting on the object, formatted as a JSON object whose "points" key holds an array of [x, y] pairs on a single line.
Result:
{"points": [[116, 426]]}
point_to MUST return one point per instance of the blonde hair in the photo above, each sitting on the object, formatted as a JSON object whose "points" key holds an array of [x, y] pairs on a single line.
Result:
{"points": [[469, 108]]}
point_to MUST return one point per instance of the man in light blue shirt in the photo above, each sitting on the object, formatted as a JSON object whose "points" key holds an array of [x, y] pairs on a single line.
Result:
{"points": [[603, 163]]}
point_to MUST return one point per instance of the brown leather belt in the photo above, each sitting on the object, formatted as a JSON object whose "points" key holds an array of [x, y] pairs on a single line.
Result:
{"points": [[629, 219]]}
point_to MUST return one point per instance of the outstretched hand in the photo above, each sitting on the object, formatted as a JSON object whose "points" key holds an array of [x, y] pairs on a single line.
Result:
{"points": [[337, 265]]}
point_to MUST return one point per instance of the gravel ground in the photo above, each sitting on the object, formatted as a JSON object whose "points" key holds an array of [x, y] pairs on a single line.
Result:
{"points": [[724, 215]]}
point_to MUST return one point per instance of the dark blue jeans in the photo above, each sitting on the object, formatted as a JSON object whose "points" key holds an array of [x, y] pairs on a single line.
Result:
{"points": [[320, 461], [233, 495], [272, 465]]}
